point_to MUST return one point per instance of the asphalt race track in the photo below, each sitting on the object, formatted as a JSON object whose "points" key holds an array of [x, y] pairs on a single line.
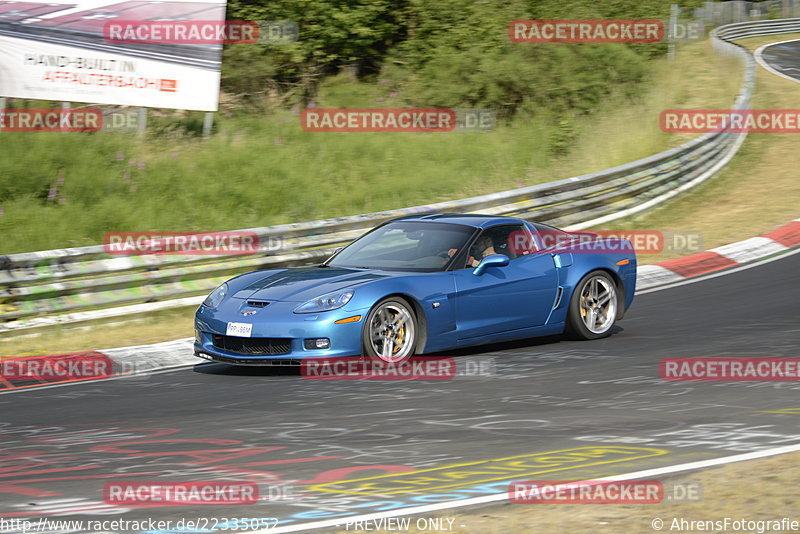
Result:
{"points": [[784, 58], [601, 404]]}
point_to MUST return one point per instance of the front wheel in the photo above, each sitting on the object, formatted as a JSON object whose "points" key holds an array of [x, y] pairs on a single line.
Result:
{"points": [[593, 307], [390, 331]]}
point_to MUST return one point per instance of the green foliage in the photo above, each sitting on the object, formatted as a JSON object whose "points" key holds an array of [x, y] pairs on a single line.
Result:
{"points": [[59, 190], [254, 172], [333, 33], [176, 125], [450, 53]]}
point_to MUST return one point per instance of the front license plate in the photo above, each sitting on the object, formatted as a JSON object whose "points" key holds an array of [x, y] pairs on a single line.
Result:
{"points": [[239, 329]]}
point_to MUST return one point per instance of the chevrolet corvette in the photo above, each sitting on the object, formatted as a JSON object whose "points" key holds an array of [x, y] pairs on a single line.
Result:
{"points": [[422, 284]]}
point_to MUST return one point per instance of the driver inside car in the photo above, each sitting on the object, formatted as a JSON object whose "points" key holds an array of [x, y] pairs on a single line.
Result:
{"points": [[483, 247]]}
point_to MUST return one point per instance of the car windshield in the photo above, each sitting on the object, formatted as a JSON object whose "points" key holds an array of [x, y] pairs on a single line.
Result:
{"points": [[405, 246]]}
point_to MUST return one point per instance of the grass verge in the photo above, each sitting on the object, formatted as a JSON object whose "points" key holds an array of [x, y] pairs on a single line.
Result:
{"points": [[153, 327]]}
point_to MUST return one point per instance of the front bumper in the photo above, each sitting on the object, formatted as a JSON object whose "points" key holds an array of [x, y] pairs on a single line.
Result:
{"points": [[277, 320]]}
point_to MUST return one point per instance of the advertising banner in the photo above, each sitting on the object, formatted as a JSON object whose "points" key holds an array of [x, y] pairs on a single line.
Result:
{"points": [[134, 53]]}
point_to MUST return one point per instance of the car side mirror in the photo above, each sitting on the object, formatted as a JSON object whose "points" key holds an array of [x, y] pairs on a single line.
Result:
{"points": [[492, 260]]}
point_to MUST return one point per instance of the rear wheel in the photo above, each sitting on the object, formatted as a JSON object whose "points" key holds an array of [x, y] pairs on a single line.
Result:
{"points": [[390, 331], [593, 307]]}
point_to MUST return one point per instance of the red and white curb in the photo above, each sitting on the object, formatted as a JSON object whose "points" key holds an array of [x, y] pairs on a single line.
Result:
{"points": [[750, 250], [128, 363]]}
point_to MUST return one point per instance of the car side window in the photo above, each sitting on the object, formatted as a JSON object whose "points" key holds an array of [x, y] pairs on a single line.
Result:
{"points": [[512, 240], [520, 242]]}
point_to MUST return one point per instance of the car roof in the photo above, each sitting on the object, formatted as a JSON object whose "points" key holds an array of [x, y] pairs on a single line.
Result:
{"points": [[467, 219]]}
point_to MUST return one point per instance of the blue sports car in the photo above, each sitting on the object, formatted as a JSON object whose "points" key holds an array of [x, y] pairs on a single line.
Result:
{"points": [[422, 284]]}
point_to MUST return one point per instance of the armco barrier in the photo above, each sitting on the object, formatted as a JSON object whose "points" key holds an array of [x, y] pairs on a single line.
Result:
{"points": [[61, 286], [178, 353]]}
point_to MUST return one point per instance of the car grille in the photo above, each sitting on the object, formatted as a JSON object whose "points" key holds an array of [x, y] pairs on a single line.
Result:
{"points": [[250, 361], [265, 346]]}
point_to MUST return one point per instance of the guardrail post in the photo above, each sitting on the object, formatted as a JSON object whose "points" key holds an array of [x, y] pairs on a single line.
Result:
{"points": [[208, 121], [64, 107], [2, 110], [674, 12], [141, 124], [740, 6], [711, 10], [708, 13]]}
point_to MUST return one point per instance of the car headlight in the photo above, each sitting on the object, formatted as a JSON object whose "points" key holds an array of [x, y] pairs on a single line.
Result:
{"points": [[327, 302], [215, 297]]}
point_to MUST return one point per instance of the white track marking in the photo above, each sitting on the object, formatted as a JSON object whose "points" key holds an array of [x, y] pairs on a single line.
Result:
{"points": [[500, 497], [655, 275], [750, 249]]}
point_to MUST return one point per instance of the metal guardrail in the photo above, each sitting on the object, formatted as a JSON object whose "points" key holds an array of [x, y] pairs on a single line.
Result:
{"points": [[734, 11], [740, 30], [48, 283]]}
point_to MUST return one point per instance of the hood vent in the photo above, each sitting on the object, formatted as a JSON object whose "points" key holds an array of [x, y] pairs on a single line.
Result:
{"points": [[257, 303]]}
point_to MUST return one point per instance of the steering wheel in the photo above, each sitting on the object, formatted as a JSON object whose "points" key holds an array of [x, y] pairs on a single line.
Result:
{"points": [[447, 255]]}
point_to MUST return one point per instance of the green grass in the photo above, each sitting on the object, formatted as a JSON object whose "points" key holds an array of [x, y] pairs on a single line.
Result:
{"points": [[264, 170]]}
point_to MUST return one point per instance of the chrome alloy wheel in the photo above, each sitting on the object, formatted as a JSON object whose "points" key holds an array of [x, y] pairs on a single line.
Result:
{"points": [[598, 304], [391, 332]]}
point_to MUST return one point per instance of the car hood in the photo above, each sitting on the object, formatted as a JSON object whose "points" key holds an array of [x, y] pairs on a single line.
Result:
{"points": [[305, 283]]}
